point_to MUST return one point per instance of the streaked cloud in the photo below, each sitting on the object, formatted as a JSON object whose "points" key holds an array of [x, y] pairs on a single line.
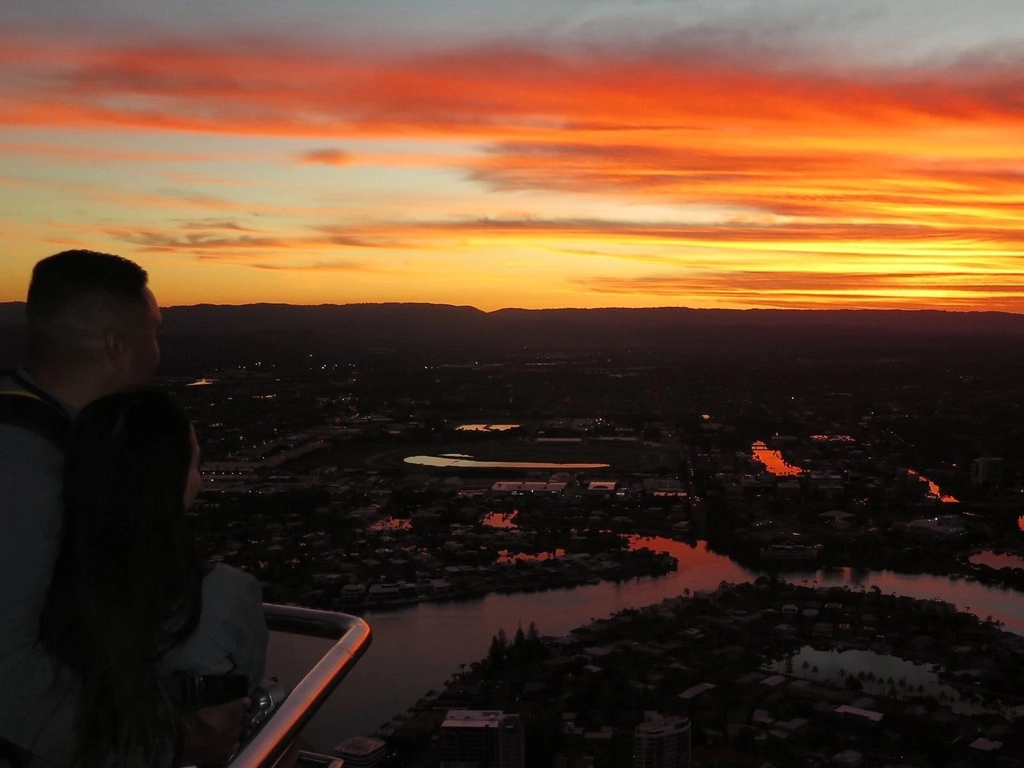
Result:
{"points": [[218, 239], [326, 157], [154, 241], [317, 266], [214, 225], [497, 91], [803, 290], [94, 155], [747, 161]]}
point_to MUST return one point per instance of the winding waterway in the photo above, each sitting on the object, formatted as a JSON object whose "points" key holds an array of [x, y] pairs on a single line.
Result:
{"points": [[415, 649]]}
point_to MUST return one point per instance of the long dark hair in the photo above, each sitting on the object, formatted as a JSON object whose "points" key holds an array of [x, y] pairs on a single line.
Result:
{"points": [[127, 582]]}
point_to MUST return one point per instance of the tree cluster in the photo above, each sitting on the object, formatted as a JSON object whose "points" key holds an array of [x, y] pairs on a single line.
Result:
{"points": [[525, 647]]}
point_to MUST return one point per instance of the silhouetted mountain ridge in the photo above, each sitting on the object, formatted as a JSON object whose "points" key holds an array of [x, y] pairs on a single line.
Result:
{"points": [[228, 318], [209, 331]]}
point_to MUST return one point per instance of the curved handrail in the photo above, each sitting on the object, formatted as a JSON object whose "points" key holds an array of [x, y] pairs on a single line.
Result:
{"points": [[267, 745]]}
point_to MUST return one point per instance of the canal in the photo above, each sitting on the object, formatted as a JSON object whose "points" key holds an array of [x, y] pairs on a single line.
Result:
{"points": [[416, 648]]}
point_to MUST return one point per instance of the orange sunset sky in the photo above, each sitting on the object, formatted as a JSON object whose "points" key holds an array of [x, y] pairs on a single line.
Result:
{"points": [[788, 154]]}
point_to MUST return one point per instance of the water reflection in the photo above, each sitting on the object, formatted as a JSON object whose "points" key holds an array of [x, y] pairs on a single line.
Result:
{"points": [[773, 460], [392, 524], [450, 461], [486, 427], [934, 492], [997, 559], [1005, 605], [501, 519], [507, 556], [417, 647]]}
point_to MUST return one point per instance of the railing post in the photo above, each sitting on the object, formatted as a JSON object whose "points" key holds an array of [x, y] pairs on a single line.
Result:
{"points": [[265, 747]]}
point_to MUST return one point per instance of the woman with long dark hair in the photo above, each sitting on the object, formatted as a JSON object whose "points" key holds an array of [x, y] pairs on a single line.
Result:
{"points": [[130, 600]]}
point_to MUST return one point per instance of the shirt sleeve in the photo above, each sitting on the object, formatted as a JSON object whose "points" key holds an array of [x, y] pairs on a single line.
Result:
{"points": [[37, 693], [232, 633], [248, 628]]}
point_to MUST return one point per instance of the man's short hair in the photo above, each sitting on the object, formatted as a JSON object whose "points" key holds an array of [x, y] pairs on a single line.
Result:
{"points": [[61, 280], [76, 295]]}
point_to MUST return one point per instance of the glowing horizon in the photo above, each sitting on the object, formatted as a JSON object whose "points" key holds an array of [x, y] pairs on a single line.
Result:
{"points": [[691, 165]]}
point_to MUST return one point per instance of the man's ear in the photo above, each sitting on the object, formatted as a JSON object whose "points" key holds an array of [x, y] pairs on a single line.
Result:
{"points": [[115, 349]]}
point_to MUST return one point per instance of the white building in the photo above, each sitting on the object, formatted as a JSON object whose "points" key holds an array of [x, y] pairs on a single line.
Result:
{"points": [[662, 742], [472, 738], [362, 752], [987, 470]]}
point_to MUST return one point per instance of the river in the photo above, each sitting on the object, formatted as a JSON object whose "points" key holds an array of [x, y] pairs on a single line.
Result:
{"points": [[415, 649]]}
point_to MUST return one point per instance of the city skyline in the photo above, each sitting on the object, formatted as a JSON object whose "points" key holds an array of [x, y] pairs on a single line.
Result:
{"points": [[788, 155]]}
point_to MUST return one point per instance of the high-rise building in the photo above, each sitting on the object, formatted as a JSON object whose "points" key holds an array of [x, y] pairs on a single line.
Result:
{"points": [[362, 752], [662, 742], [472, 738], [987, 470]]}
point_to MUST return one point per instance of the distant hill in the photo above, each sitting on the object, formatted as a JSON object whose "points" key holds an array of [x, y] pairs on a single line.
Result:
{"points": [[207, 334], [430, 322]]}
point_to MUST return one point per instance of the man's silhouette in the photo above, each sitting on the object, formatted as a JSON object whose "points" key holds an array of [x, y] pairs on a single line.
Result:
{"points": [[93, 327]]}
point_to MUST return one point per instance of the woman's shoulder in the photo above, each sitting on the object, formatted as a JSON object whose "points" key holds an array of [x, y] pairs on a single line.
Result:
{"points": [[228, 574], [226, 580], [232, 630]]}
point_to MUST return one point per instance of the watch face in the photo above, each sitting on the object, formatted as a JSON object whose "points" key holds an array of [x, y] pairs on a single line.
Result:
{"points": [[219, 689], [191, 691]]}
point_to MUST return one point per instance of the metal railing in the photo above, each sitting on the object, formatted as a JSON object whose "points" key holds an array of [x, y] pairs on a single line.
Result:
{"points": [[269, 742]]}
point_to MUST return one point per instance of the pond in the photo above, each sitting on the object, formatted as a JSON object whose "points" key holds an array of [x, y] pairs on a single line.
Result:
{"points": [[467, 463], [878, 673]]}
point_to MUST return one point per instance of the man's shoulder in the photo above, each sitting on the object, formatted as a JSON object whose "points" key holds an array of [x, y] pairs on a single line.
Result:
{"points": [[29, 424], [23, 442], [26, 453]]}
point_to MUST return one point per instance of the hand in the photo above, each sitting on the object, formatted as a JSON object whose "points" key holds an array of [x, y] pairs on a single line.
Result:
{"points": [[213, 734]]}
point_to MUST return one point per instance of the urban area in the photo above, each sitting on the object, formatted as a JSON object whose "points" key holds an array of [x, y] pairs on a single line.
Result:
{"points": [[379, 486]]}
